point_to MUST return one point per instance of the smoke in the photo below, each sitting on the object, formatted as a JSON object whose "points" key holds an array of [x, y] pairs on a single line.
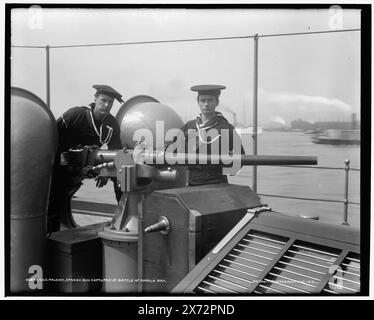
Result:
{"points": [[299, 106], [278, 120], [304, 101]]}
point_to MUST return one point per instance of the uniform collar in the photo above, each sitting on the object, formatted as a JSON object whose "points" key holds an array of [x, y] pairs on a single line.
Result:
{"points": [[98, 130], [208, 124]]}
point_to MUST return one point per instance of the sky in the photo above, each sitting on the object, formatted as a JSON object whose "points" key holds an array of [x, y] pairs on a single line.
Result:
{"points": [[311, 77]]}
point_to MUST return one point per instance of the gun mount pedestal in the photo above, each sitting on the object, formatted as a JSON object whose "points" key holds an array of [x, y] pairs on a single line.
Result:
{"points": [[120, 238], [120, 245]]}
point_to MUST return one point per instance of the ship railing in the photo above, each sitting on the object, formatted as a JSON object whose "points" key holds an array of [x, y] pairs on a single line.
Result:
{"points": [[345, 201]]}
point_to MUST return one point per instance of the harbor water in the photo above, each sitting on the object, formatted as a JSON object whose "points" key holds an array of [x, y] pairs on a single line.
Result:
{"points": [[286, 181]]}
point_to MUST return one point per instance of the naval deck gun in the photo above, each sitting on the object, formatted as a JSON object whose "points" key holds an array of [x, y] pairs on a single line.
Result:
{"points": [[136, 169], [135, 218]]}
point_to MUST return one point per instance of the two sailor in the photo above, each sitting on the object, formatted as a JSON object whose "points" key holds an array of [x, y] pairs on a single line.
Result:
{"points": [[93, 125]]}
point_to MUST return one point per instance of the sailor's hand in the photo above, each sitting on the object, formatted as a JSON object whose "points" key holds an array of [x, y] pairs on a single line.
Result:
{"points": [[93, 147], [101, 181], [63, 159], [87, 172]]}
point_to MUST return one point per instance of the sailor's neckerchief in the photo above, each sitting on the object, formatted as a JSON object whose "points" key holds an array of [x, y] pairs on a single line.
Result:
{"points": [[100, 132], [200, 126]]}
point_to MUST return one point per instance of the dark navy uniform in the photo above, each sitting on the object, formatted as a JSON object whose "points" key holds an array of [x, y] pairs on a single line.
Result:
{"points": [[77, 127], [215, 136], [208, 174]]}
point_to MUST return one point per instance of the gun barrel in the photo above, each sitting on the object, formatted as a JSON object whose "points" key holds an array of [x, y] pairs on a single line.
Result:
{"points": [[180, 159], [157, 157]]}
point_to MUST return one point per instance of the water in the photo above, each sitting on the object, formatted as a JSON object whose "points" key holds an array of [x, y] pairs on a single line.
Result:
{"points": [[285, 181], [306, 182]]}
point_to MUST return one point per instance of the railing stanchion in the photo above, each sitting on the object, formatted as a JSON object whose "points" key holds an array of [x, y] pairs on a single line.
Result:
{"points": [[255, 97], [345, 218]]}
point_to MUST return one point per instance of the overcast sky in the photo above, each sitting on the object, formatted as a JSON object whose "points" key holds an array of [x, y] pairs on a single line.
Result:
{"points": [[313, 77]]}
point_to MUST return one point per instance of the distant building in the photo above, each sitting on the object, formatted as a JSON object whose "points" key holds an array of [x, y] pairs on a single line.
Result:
{"points": [[354, 124], [302, 125], [346, 125]]}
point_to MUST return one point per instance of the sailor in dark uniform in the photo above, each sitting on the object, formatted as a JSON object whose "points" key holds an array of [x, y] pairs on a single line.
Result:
{"points": [[206, 133], [90, 125]]}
